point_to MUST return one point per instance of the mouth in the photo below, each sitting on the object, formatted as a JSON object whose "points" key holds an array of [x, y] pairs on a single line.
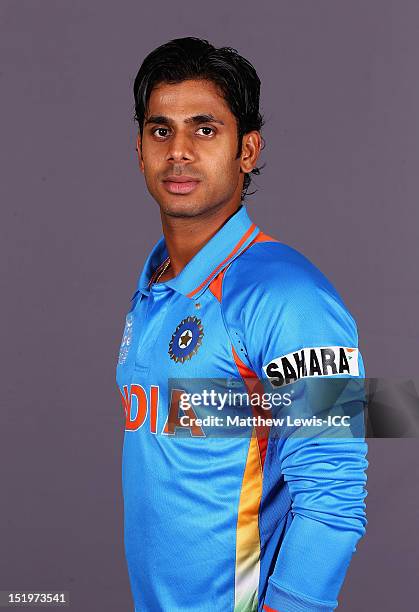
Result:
{"points": [[180, 185]]}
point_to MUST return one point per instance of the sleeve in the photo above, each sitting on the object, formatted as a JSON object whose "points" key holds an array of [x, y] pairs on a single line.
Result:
{"points": [[296, 314]]}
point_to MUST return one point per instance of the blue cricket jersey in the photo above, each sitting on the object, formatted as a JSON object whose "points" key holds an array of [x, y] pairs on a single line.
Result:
{"points": [[236, 523]]}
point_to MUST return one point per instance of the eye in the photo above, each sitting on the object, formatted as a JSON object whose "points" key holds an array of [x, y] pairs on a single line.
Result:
{"points": [[207, 128], [161, 132], [159, 129]]}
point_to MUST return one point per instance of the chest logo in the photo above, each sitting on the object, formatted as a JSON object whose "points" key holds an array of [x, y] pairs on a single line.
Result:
{"points": [[186, 339], [126, 340]]}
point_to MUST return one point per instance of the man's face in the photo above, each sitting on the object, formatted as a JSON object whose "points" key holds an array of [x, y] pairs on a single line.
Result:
{"points": [[190, 135]]}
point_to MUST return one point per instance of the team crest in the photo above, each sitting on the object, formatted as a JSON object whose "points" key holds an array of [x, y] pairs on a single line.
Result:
{"points": [[186, 339]]}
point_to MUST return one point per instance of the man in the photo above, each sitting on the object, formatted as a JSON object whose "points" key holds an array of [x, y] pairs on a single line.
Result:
{"points": [[226, 523]]}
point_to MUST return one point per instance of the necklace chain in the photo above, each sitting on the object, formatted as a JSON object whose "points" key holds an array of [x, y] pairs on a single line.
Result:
{"points": [[163, 270]]}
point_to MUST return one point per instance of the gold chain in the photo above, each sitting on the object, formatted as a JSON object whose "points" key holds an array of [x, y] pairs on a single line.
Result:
{"points": [[163, 270]]}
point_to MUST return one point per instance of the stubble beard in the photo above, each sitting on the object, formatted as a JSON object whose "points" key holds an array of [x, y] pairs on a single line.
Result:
{"points": [[188, 210]]}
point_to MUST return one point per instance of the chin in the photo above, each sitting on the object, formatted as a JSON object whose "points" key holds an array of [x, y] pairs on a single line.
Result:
{"points": [[183, 208]]}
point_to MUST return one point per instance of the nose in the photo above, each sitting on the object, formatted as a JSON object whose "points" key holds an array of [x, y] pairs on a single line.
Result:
{"points": [[180, 148]]}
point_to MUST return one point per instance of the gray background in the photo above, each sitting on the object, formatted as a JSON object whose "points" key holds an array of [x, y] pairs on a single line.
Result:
{"points": [[340, 96]]}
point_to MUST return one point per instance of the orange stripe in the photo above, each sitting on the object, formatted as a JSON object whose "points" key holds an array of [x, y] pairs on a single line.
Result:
{"points": [[268, 609], [262, 237], [254, 385], [233, 252], [215, 285], [244, 371]]}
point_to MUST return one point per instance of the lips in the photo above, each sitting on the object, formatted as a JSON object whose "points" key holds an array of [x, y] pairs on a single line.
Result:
{"points": [[180, 184]]}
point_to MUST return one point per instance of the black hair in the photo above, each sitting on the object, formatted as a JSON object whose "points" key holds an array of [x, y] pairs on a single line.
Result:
{"points": [[194, 58]]}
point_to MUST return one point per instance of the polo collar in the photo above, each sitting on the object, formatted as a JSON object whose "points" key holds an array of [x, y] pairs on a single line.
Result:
{"points": [[230, 240]]}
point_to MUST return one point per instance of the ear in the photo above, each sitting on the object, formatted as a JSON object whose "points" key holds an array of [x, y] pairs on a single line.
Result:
{"points": [[251, 146], [139, 153]]}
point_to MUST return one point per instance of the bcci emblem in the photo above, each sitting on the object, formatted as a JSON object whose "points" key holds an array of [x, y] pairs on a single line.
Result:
{"points": [[186, 339]]}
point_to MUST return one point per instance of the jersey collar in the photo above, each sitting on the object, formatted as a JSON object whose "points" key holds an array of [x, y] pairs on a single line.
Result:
{"points": [[233, 237]]}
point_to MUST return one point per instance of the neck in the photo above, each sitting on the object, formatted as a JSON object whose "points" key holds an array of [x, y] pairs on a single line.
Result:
{"points": [[185, 236]]}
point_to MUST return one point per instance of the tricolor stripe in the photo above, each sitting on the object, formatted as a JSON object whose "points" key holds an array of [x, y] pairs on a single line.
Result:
{"points": [[247, 536]]}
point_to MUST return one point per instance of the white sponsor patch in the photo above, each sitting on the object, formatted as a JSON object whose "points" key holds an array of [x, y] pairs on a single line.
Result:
{"points": [[309, 362]]}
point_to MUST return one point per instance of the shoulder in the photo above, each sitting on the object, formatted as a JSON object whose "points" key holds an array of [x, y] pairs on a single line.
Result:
{"points": [[277, 274], [280, 302]]}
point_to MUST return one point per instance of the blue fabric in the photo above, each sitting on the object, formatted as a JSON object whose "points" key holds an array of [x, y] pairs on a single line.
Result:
{"points": [[182, 492]]}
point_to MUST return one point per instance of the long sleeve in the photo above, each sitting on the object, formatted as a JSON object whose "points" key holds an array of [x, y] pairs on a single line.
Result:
{"points": [[289, 311], [326, 478]]}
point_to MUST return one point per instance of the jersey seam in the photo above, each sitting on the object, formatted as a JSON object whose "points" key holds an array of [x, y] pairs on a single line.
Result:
{"points": [[226, 327]]}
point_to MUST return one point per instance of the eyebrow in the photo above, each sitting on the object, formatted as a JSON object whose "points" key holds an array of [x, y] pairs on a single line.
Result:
{"points": [[195, 119]]}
